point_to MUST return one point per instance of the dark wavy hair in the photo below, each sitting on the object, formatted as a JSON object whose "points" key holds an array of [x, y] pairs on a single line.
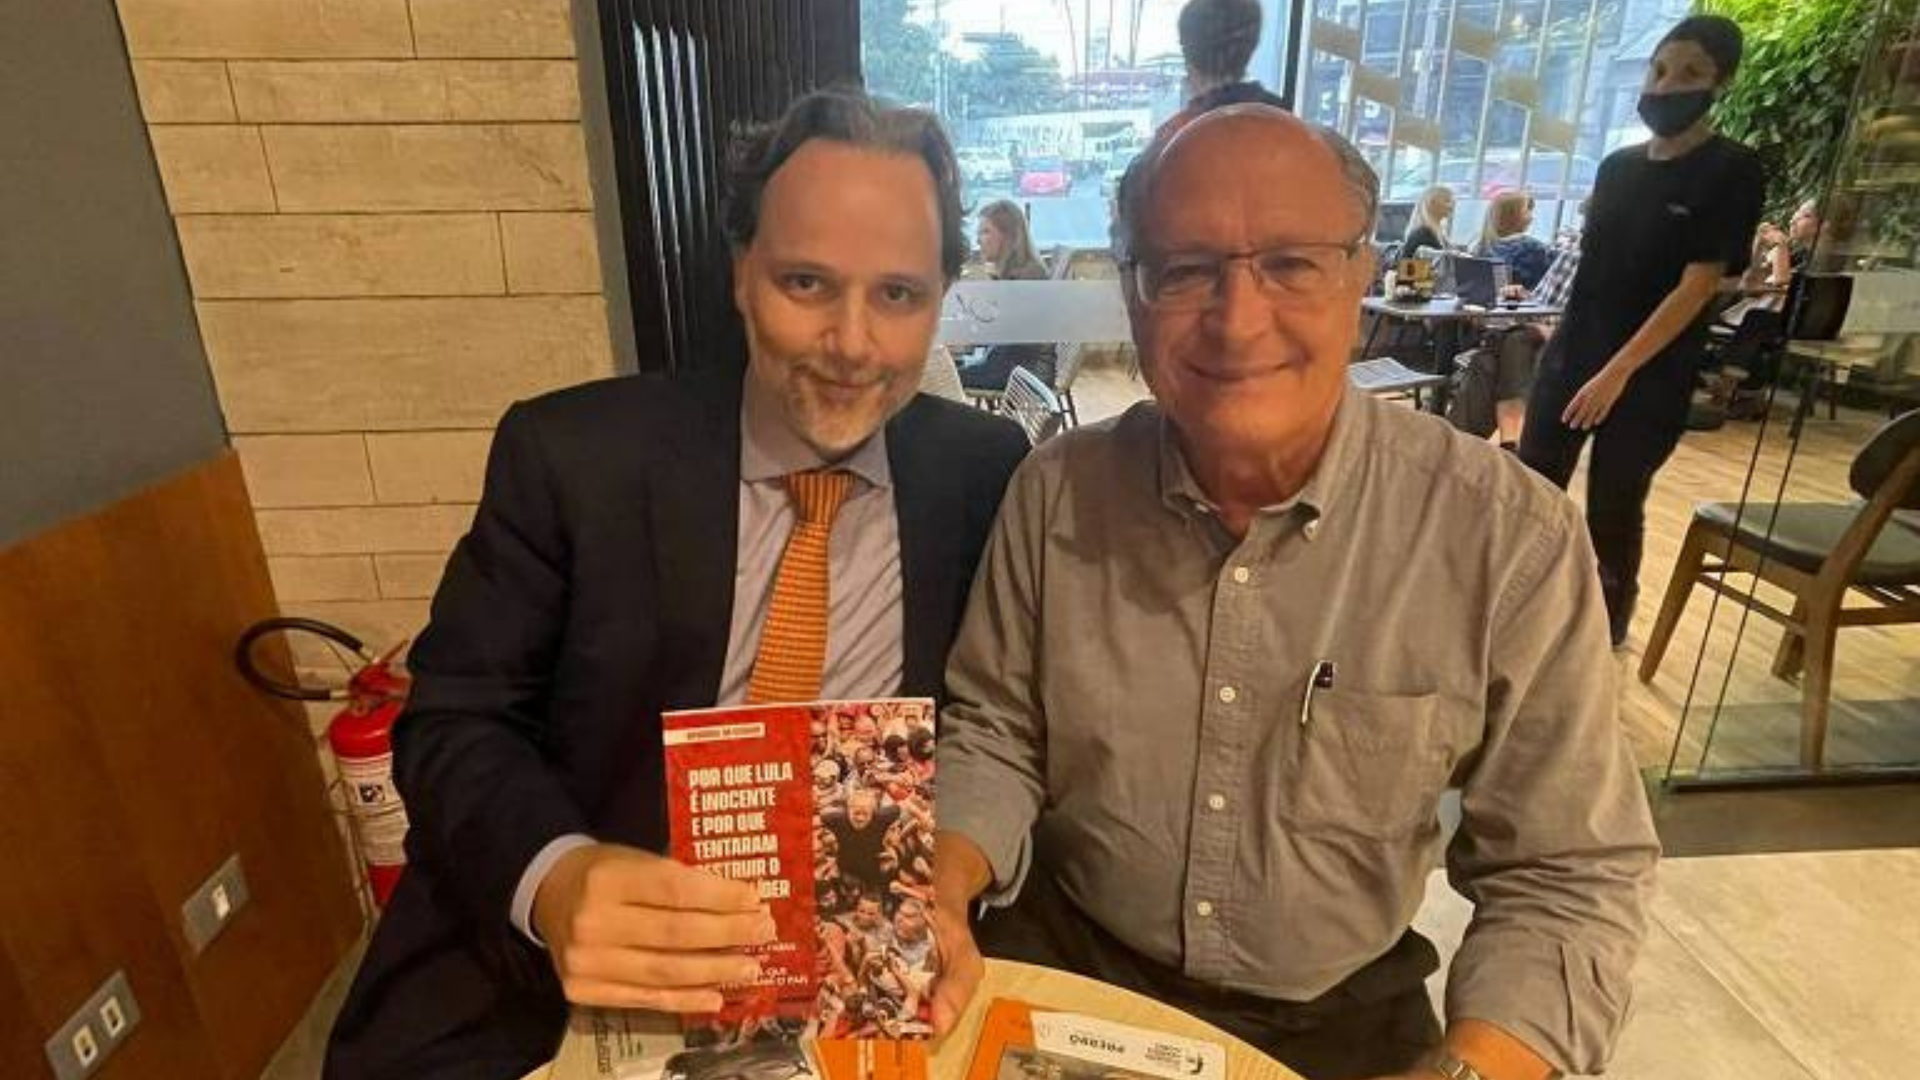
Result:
{"points": [[851, 117], [1218, 37]]}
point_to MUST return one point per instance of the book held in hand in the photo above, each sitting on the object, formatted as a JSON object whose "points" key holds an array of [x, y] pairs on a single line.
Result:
{"points": [[828, 809]]}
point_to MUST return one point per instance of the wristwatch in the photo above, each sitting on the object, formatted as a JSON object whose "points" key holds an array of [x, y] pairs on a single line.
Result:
{"points": [[1454, 1069]]}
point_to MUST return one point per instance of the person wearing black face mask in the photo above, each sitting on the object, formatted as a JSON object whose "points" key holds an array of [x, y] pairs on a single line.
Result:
{"points": [[1669, 218]]}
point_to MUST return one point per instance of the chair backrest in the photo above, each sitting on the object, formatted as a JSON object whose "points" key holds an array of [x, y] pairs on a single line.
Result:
{"points": [[1033, 406], [1066, 365], [1877, 462], [1817, 306]]}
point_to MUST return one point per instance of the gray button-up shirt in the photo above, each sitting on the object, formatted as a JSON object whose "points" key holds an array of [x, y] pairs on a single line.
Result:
{"points": [[1135, 712]]}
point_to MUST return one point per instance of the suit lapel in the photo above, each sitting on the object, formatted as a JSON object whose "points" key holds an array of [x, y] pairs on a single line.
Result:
{"points": [[695, 508], [931, 525]]}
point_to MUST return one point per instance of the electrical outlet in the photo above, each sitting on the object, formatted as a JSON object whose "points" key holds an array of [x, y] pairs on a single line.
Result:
{"points": [[214, 904], [118, 1013], [86, 1049], [91, 1035], [113, 1020]]}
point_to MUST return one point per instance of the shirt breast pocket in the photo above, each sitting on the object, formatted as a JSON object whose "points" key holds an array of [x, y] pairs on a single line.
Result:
{"points": [[1375, 764]]}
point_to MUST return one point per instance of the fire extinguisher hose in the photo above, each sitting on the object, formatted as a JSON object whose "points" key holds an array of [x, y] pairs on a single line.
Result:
{"points": [[249, 667]]}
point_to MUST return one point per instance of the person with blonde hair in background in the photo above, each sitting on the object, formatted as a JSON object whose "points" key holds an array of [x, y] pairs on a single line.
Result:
{"points": [[1431, 221], [1505, 237]]}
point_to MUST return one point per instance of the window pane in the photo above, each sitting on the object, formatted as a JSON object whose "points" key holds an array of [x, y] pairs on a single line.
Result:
{"points": [[1483, 96], [1047, 101]]}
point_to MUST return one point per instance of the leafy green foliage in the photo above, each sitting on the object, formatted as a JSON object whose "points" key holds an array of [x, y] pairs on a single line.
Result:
{"points": [[901, 61], [897, 54], [1009, 78], [1791, 96]]}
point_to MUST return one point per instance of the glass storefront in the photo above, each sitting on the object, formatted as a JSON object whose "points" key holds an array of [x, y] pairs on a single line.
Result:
{"points": [[1047, 100], [1484, 96]]}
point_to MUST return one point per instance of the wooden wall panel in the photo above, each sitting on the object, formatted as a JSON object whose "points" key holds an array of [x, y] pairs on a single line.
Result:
{"points": [[17, 1041], [159, 763], [74, 901]]}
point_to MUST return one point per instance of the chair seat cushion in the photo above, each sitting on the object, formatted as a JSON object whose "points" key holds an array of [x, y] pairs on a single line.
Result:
{"points": [[1806, 533]]}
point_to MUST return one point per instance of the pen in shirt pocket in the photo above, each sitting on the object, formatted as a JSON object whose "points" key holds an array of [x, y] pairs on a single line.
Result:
{"points": [[1321, 678]]}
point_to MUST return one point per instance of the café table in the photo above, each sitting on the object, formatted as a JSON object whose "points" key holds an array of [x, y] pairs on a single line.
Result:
{"points": [[1446, 317], [1044, 988]]}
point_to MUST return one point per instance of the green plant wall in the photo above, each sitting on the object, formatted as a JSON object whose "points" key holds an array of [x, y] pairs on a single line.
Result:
{"points": [[1795, 85]]}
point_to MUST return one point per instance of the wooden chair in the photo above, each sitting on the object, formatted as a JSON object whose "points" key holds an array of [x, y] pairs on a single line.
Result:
{"points": [[1820, 553], [1033, 406]]}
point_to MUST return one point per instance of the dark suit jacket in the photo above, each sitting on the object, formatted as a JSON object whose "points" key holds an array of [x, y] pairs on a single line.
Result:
{"points": [[595, 591]]}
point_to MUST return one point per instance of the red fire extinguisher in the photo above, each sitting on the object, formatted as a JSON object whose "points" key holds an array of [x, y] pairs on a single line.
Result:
{"points": [[360, 735]]}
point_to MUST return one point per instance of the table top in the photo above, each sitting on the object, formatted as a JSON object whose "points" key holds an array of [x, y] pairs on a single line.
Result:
{"points": [[1042, 987], [1451, 307], [1046, 988]]}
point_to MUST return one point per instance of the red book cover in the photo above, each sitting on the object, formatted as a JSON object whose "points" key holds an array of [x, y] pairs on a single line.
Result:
{"points": [[828, 808]]}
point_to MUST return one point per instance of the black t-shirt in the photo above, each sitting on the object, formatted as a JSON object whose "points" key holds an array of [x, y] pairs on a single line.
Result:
{"points": [[1421, 236], [1648, 221], [860, 848]]}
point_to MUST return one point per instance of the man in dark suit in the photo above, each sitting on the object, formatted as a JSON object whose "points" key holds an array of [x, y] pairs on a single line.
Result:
{"points": [[627, 555]]}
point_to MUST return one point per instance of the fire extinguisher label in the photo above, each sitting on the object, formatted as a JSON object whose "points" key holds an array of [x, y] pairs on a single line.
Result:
{"points": [[379, 818]]}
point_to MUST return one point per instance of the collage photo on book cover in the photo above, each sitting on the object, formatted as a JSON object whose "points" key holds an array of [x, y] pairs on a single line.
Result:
{"points": [[873, 786]]}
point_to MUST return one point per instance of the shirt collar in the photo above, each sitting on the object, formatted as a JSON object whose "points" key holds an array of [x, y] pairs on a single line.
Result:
{"points": [[770, 450], [1179, 490]]}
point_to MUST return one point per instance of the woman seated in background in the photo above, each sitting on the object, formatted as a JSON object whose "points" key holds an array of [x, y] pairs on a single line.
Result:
{"points": [[1431, 221], [1515, 350], [1007, 249], [1505, 237]]}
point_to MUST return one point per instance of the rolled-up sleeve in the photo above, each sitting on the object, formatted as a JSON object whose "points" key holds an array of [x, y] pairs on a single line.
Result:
{"points": [[993, 731], [1556, 848]]}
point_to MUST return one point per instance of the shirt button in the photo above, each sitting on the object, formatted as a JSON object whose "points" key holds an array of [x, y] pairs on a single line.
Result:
{"points": [[1216, 801], [1242, 575], [1228, 694], [1312, 529], [1204, 909]]}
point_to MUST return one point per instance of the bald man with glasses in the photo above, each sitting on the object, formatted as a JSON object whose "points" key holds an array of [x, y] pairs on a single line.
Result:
{"points": [[1227, 651]]}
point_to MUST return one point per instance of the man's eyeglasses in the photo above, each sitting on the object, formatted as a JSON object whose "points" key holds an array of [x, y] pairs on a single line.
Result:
{"points": [[1190, 280]]}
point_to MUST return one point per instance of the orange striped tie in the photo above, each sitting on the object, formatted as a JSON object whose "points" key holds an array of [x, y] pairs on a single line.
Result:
{"points": [[793, 645]]}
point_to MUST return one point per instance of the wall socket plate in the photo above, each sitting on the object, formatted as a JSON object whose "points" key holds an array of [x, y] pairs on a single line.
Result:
{"points": [[92, 1034], [214, 904]]}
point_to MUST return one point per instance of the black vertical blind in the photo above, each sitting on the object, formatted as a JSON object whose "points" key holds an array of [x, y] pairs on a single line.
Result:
{"points": [[681, 74]]}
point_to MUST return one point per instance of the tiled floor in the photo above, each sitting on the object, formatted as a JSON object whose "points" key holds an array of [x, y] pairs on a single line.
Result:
{"points": [[1765, 967]]}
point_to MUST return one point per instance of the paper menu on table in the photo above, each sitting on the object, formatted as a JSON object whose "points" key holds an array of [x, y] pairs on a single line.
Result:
{"points": [[616, 1044]]}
